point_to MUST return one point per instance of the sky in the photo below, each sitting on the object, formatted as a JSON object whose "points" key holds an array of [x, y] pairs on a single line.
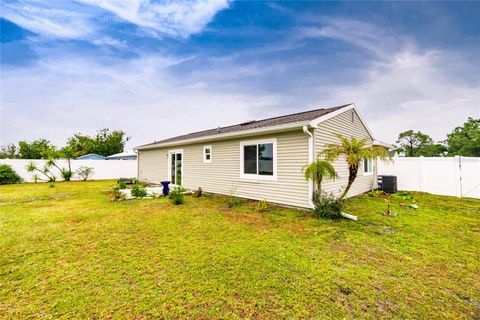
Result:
{"points": [[156, 69]]}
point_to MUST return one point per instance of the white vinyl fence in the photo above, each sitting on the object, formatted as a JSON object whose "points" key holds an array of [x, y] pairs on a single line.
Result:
{"points": [[103, 169], [452, 176]]}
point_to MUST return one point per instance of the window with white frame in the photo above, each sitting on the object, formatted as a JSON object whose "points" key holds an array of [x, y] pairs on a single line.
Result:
{"points": [[367, 167], [258, 159], [207, 154]]}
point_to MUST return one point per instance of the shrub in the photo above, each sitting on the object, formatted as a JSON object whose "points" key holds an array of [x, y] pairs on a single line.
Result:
{"points": [[233, 202], [66, 174], [122, 185], [139, 191], [376, 193], [176, 195], [404, 195], [85, 172], [262, 206], [115, 194], [127, 180], [328, 206], [8, 175]]}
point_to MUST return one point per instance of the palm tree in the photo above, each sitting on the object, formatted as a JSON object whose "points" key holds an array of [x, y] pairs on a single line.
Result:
{"points": [[354, 150], [31, 167], [69, 154], [318, 170]]}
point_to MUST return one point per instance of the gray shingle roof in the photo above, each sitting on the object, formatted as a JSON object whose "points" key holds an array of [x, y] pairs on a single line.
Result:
{"points": [[256, 124]]}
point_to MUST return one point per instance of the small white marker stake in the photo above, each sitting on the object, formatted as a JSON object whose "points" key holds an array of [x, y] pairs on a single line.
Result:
{"points": [[349, 216]]}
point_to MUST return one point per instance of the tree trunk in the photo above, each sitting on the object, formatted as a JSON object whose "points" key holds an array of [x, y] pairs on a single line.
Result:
{"points": [[352, 174]]}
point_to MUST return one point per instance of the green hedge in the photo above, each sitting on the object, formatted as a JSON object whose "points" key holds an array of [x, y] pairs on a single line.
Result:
{"points": [[8, 175]]}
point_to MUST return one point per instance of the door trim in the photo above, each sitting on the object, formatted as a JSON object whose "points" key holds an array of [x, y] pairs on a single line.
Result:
{"points": [[169, 166]]}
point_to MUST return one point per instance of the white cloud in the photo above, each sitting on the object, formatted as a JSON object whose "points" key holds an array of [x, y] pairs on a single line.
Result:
{"points": [[85, 18], [403, 87], [174, 18], [109, 41], [411, 91], [58, 98], [49, 19]]}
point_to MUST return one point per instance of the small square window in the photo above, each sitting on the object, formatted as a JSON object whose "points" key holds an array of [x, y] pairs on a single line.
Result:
{"points": [[207, 154]]}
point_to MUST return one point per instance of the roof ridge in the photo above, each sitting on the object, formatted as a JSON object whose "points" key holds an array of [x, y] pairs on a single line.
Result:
{"points": [[233, 126], [276, 117]]}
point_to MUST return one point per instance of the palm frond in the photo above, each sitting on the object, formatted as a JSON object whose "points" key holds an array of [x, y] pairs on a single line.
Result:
{"points": [[354, 151], [31, 167]]}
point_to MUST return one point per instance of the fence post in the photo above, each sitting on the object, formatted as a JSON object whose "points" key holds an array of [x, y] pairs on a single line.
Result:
{"points": [[457, 163], [420, 173]]}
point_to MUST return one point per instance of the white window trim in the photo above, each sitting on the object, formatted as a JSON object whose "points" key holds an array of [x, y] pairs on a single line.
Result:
{"points": [[205, 154], [169, 166], [251, 176], [368, 173]]}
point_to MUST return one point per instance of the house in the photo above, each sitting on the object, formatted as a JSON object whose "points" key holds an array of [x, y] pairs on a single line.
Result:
{"points": [[91, 156], [392, 153], [260, 159], [128, 155]]}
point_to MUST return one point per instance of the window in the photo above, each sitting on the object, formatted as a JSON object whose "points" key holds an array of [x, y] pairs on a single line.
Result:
{"points": [[258, 159], [367, 167], [207, 154]]}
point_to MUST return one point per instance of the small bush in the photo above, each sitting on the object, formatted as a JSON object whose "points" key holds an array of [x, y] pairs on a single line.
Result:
{"points": [[8, 175], [234, 202], [85, 172], [115, 194], [262, 206], [51, 185], [127, 180], [66, 174], [122, 185], [328, 206], [375, 193], [404, 195], [139, 191], [176, 195]]}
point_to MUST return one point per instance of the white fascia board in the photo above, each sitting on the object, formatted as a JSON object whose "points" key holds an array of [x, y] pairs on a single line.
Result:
{"points": [[314, 123], [221, 136]]}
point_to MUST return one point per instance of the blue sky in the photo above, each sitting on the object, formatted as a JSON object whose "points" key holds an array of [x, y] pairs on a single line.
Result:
{"points": [[157, 69]]}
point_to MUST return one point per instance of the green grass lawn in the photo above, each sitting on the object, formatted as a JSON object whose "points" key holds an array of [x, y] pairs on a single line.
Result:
{"points": [[68, 252]]}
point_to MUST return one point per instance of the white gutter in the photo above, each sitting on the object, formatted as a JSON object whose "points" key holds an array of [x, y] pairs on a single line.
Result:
{"points": [[220, 136], [310, 160]]}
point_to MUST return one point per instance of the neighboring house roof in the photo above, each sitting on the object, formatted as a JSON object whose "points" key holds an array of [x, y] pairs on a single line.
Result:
{"points": [[275, 122], [391, 152], [91, 156], [129, 154], [383, 144]]}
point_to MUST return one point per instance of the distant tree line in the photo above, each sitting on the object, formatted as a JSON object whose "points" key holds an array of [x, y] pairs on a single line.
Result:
{"points": [[105, 142], [462, 141]]}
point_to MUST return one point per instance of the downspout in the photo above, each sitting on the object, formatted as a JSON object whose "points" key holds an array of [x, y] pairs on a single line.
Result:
{"points": [[138, 164], [310, 160]]}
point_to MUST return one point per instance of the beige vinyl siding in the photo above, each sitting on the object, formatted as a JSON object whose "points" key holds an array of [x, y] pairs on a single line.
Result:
{"points": [[343, 124], [222, 175]]}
